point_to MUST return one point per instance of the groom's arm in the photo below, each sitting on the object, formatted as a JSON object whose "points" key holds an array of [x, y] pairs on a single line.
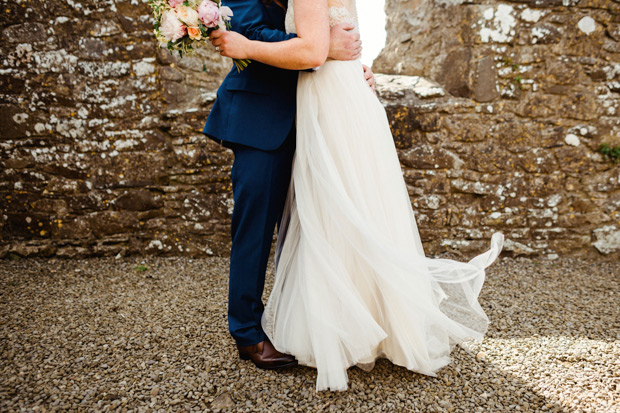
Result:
{"points": [[251, 20]]}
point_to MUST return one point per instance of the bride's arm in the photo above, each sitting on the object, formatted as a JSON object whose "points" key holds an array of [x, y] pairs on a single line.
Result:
{"points": [[309, 49]]}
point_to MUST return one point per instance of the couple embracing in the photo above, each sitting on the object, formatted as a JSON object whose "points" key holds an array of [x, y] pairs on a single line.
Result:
{"points": [[315, 157]]}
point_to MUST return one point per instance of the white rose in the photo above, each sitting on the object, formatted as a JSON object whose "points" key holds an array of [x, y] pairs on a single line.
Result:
{"points": [[187, 15]]}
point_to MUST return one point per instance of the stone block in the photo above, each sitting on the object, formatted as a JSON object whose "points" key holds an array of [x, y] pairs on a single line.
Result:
{"points": [[429, 183], [403, 126], [138, 199], [26, 225], [518, 248], [130, 170], [545, 33], [73, 251], [575, 160], [485, 86], [14, 121], [538, 161], [73, 228], [28, 32], [612, 204], [607, 239], [11, 85], [490, 158], [538, 106], [454, 76], [466, 128], [578, 220], [92, 48], [104, 223], [55, 207], [517, 136], [478, 188], [426, 157]]}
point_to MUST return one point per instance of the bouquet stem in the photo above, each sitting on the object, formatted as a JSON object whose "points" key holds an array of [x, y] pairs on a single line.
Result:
{"points": [[241, 64]]}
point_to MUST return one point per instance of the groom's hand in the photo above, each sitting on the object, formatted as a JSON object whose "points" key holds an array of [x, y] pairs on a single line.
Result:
{"points": [[344, 43], [230, 44]]}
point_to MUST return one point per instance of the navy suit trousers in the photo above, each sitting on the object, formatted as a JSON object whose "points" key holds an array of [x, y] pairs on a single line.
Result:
{"points": [[260, 183]]}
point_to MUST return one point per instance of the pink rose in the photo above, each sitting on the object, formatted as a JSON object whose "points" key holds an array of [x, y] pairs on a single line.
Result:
{"points": [[209, 13], [171, 27], [174, 3]]}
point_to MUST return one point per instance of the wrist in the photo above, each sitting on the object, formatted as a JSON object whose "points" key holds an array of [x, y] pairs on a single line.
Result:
{"points": [[249, 48]]}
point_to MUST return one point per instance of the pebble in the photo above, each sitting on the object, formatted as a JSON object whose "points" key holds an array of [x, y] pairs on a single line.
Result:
{"points": [[96, 335]]}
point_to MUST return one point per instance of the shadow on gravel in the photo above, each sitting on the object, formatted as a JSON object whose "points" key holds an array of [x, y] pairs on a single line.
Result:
{"points": [[466, 385], [101, 334]]}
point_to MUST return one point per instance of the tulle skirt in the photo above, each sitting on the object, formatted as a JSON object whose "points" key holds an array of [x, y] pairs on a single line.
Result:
{"points": [[352, 282]]}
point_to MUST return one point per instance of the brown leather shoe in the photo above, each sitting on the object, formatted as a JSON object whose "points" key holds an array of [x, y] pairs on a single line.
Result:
{"points": [[265, 356]]}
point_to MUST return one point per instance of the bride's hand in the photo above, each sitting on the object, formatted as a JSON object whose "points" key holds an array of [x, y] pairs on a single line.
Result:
{"points": [[230, 44], [344, 43], [370, 78]]}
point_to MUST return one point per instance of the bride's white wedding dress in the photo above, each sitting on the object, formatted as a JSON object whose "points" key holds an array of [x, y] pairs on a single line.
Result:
{"points": [[352, 282]]}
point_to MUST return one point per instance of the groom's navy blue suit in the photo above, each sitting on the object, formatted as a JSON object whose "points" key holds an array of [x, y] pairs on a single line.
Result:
{"points": [[254, 115]]}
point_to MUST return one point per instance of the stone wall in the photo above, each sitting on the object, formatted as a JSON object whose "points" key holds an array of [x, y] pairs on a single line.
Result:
{"points": [[101, 150], [101, 145], [530, 91]]}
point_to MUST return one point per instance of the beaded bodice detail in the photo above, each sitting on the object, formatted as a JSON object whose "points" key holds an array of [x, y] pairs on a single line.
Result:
{"points": [[337, 15]]}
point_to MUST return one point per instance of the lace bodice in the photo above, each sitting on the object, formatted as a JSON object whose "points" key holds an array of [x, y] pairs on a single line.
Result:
{"points": [[337, 15]]}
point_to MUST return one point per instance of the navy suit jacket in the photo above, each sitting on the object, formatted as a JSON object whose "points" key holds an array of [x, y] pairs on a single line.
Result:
{"points": [[255, 107]]}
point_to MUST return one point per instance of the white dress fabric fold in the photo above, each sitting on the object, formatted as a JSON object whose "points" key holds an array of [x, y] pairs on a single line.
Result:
{"points": [[352, 282]]}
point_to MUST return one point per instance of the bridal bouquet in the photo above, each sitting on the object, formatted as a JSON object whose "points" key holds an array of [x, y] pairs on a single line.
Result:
{"points": [[182, 25]]}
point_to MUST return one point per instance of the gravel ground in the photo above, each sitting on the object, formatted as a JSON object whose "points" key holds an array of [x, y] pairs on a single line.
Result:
{"points": [[150, 333]]}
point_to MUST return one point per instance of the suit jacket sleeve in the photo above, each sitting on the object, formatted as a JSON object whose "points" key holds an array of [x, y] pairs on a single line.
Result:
{"points": [[251, 19]]}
